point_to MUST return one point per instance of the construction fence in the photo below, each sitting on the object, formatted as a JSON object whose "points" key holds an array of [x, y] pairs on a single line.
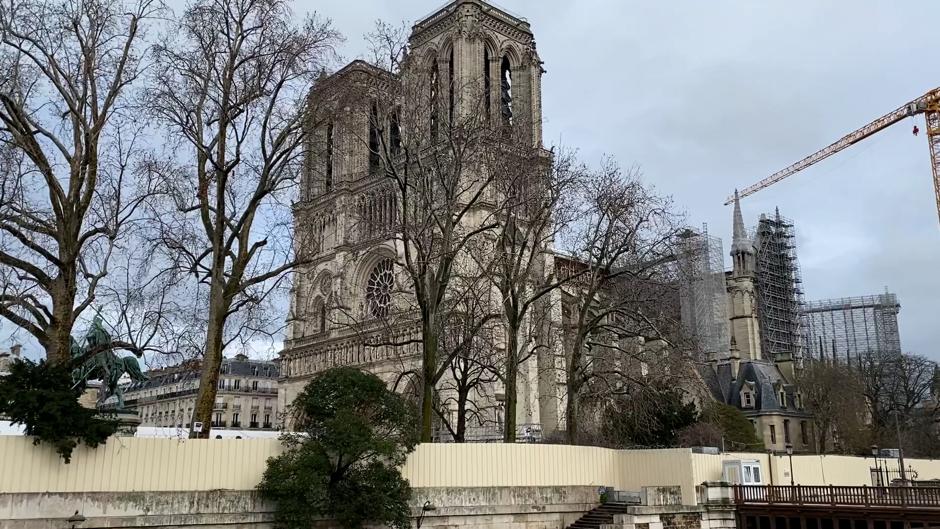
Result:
{"points": [[128, 464]]}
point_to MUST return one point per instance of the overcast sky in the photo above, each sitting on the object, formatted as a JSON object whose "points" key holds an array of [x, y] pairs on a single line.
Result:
{"points": [[709, 96]]}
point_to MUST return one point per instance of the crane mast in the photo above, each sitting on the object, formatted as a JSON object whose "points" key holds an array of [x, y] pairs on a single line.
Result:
{"points": [[928, 104]]}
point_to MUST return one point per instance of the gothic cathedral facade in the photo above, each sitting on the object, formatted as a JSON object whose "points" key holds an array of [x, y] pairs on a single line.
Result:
{"points": [[345, 221]]}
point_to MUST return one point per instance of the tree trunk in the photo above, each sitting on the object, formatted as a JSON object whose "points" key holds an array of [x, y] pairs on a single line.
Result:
{"points": [[573, 386], [211, 362], [571, 415], [460, 433], [512, 369], [59, 332], [429, 371]]}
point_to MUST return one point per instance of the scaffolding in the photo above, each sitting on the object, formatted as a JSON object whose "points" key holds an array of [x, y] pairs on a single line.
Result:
{"points": [[779, 288], [702, 291], [848, 328]]}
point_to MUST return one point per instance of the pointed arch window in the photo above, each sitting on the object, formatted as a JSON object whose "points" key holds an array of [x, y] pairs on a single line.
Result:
{"points": [[434, 84], [394, 134], [450, 89], [487, 84], [374, 139], [505, 84], [328, 170]]}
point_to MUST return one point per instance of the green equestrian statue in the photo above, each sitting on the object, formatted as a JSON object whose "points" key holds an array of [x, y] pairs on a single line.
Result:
{"points": [[104, 365]]}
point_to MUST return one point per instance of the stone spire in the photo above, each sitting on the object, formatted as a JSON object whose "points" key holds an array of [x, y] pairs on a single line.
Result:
{"points": [[740, 242]]}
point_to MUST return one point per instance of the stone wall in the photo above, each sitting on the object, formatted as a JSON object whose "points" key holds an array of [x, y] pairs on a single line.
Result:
{"points": [[470, 508], [675, 517]]}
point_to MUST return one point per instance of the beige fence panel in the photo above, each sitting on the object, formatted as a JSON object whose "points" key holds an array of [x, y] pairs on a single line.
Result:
{"points": [[149, 464]]}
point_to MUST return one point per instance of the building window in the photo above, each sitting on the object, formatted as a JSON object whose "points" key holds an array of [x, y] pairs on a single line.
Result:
{"points": [[374, 146], [434, 98], [379, 288], [450, 88], [773, 434], [487, 84], [394, 135], [783, 399], [254, 385], [505, 83], [748, 400], [328, 181], [235, 423], [221, 383], [786, 431], [267, 420], [804, 433], [236, 384]]}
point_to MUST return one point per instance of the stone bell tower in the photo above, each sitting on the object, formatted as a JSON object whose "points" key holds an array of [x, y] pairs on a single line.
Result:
{"points": [[745, 329], [485, 62]]}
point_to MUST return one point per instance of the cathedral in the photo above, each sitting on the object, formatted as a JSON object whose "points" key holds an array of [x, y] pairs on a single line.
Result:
{"points": [[470, 60], [467, 59]]}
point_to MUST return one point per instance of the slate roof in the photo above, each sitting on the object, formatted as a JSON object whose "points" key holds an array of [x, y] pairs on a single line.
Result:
{"points": [[763, 375], [238, 366]]}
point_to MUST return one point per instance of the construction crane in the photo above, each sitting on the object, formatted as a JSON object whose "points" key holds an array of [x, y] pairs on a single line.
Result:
{"points": [[928, 104]]}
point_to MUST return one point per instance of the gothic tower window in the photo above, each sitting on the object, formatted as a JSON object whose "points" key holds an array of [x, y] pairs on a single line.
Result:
{"points": [[487, 84], [505, 83], [328, 183], [434, 97], [379, 288], [394, 134], [374, 139], [450, 88]]}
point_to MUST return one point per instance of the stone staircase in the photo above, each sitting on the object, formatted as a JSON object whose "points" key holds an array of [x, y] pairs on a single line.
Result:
{"points": [[598, 516]]}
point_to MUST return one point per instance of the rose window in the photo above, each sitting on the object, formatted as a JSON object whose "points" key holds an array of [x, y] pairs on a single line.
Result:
{"points": [[379, 288]]}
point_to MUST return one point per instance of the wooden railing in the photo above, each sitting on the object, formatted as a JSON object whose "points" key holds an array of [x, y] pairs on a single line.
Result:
{"points": [[863, 496]]}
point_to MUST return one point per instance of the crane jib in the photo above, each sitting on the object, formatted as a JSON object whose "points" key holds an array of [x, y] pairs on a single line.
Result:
{"points": [[920, 105]]}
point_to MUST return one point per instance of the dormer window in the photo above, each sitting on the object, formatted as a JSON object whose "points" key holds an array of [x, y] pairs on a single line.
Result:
{"points": [[748, 399], [783, 398]]}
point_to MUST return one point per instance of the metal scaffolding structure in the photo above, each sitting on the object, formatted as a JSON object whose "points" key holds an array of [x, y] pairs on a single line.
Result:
{"points": [[846, 329], [779, 288], [702, 291]]}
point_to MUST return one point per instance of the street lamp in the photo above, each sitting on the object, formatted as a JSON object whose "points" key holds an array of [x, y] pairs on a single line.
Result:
{"points": [[789, 448], [426, 508]]}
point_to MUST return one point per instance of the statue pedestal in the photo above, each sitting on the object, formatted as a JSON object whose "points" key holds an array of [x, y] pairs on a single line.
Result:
{"points": [[128, 421], [89, 399]]}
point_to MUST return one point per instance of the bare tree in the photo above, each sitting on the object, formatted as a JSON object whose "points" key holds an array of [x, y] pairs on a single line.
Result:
{"points": [[619, 305], [833, 392], [431, 152], [470, 341], [532, 188], [232, 85], [69, 138]]}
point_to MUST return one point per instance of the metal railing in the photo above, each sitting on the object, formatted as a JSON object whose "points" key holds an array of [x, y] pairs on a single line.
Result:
{"points": [[863, 496]]}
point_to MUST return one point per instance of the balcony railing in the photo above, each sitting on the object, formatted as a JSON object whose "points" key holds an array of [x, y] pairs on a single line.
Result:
{"points": [[220, 424], [253, 425], [863, 496], [237, 424]]}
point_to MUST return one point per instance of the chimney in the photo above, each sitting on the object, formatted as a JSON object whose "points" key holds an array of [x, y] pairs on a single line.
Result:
{"points": [[16, 350]]}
